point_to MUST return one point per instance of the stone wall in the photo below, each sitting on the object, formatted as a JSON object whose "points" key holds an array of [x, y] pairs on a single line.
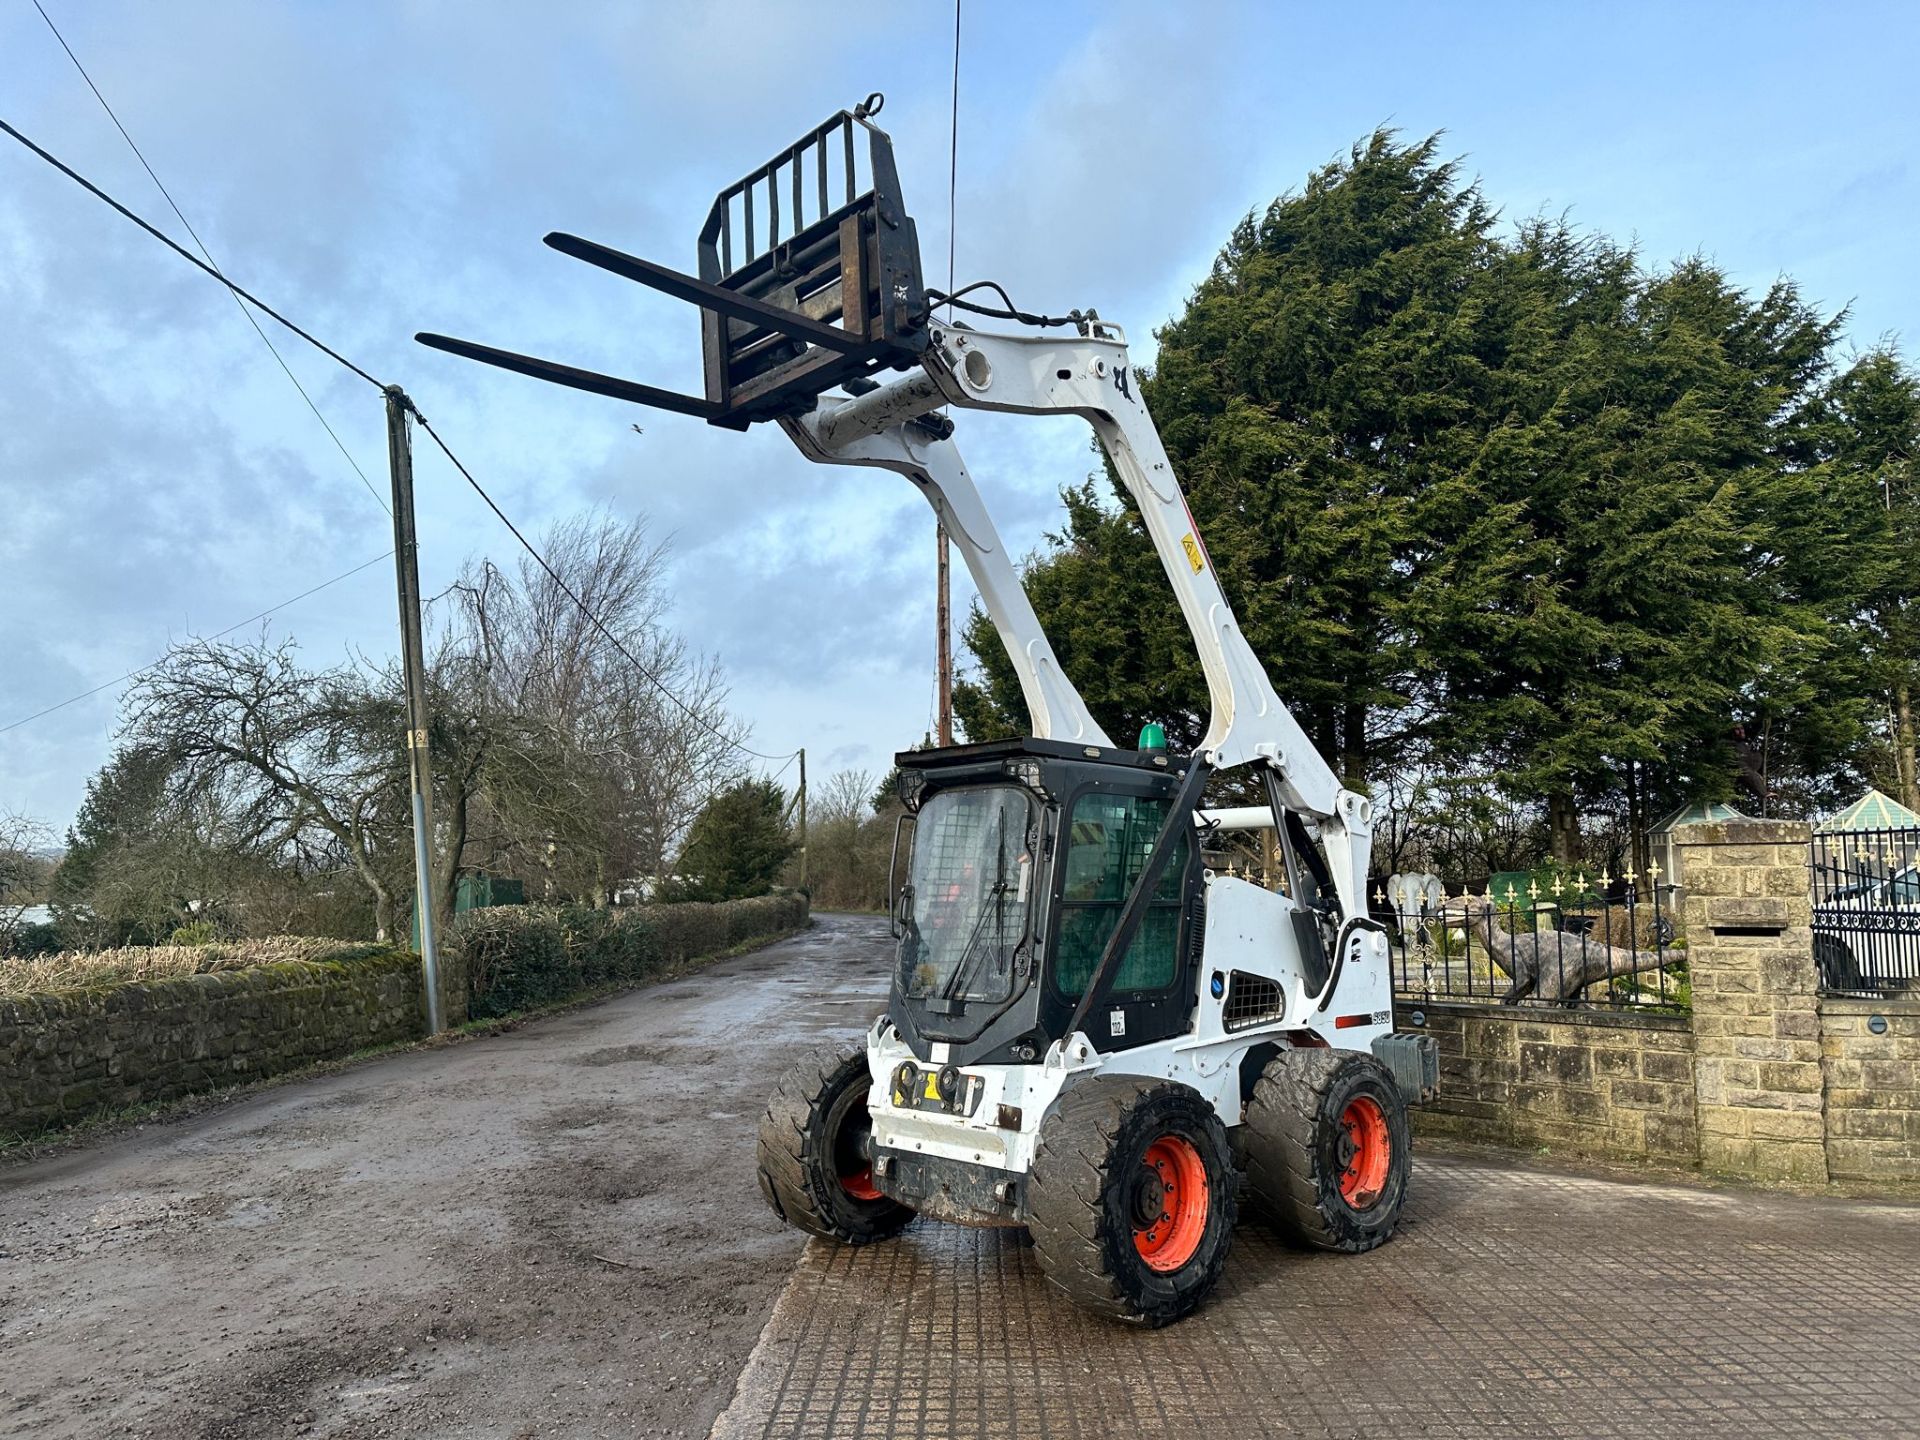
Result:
{"points": [[1587, 1083], [1872, 1074], [1765, 1080], [68, 1054]]}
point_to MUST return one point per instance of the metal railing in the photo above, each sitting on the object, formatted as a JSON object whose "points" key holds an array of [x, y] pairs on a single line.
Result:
{"points": [[1866, 911], [1578, 942]]}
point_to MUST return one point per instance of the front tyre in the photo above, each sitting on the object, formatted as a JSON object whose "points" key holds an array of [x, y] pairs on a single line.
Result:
{"points": [[1131, 1198], [1328, 1149], [816, 1161]]}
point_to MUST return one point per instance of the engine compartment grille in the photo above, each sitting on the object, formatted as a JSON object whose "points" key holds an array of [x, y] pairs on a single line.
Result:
{"points": [[1252, 1000]]}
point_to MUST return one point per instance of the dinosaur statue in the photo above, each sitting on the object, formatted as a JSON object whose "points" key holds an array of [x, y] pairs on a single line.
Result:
{"points": [[1551, 965]]}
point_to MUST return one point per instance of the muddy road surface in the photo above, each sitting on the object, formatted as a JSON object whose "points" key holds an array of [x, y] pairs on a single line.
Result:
{"points": [[553, 1231]]}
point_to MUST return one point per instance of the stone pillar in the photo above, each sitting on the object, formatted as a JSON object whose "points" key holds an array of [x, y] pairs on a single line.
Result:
{"points": [[1756, 1019]]}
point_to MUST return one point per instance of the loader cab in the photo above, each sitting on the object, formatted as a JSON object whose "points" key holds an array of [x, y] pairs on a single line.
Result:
{"points": [[1009, 873]]}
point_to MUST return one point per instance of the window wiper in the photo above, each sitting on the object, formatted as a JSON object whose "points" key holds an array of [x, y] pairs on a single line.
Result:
{"points": [[995, 896], [996, 903]]}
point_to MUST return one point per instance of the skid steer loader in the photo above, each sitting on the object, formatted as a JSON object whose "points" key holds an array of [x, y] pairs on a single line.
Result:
{"points": [[1088, 1034]]}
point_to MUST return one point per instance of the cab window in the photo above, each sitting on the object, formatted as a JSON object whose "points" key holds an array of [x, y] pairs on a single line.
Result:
{"points": [[1109, 840]]}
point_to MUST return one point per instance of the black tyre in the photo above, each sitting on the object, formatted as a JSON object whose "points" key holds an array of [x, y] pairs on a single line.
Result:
{"points": [[1838, 967], [1327, 1149], [1131, 1199], [816, 1165]]}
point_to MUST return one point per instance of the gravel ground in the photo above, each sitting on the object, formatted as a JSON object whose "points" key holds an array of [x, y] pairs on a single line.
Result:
{"points": [[553, 1231]]}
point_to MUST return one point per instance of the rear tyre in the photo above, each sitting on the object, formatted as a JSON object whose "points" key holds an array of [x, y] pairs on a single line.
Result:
{"points": [[1838, 967], [1328, 1149], [1131, 1200], [816, 1162]]}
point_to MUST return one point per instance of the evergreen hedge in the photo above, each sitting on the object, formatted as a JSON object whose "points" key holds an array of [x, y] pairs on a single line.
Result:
{"points": [[519, 957]]}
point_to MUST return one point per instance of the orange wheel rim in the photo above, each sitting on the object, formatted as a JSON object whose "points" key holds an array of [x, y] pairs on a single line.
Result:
{"points": [[860, 1184], [1365, 1152], [1170, 1204], [852, 1152]]}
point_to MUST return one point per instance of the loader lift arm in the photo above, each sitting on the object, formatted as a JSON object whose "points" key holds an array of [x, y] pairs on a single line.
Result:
{"points": [[840, 299], [1092, 376]]}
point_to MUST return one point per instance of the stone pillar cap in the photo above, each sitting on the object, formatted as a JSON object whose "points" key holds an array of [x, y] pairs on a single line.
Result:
{"points": [[1744, 832]]}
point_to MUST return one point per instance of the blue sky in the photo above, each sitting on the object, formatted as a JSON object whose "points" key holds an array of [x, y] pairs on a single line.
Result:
{"points": [[376, 170]]}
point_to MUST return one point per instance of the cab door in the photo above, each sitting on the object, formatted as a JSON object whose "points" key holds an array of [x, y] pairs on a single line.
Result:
{"points": [[1106, 837]]}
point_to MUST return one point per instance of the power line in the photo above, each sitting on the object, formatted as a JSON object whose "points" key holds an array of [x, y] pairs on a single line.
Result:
{"points": [[185, 254], [598, 624], [953, 153], [329, 351], [240, 625], [178, 214]]}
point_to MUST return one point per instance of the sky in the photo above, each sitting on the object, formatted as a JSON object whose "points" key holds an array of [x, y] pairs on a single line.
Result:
{"points": [[377, 169]]}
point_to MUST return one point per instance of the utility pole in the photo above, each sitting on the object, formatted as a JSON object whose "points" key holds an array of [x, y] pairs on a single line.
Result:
{"points": [[944, 606], [803, 817], [406, 564]]}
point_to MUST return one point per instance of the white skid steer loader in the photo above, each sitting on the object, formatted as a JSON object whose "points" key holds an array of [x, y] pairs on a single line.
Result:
{"points": [[1088, 1033]]}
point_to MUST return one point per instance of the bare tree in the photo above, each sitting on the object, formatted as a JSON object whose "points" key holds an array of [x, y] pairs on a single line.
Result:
{"points": [[25, 869], [1461, 826], [849, 843], [300, 765], [620, 732], [559, 750]]}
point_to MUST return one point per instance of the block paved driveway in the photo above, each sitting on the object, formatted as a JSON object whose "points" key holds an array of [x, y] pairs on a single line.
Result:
{"points": [[1514, 1303]]}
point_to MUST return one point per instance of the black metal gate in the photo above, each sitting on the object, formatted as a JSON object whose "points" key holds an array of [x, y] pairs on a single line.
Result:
{"points": [[1583, 940], [1866, 911]]}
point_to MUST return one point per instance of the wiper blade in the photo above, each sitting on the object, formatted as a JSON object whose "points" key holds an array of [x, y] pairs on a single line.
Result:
{"points": [[965, 968], [996, 897]]}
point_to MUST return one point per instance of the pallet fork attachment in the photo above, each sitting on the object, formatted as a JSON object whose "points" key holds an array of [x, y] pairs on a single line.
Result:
{"points": [[555, 373], [783, 320]]}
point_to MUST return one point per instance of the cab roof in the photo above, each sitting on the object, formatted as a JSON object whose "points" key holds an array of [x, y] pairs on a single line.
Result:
{"points": [[989, 751]]}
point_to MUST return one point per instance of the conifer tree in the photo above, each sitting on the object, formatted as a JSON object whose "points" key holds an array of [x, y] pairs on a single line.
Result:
{"points": [[1506, 504]]}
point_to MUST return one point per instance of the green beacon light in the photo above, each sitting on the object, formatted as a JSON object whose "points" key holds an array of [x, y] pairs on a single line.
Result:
{"points": [[1153, 736]]}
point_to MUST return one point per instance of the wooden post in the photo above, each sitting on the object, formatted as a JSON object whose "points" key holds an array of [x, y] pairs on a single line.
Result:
{"points": [[944, 607], [803, 817], [413, 663]]}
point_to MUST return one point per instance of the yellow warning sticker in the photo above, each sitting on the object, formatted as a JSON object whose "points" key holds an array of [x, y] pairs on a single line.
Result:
{"points": [[1192, 547]]}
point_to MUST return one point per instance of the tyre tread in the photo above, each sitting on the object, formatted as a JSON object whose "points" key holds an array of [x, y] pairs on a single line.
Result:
{"points": [[789, 1161], [1065, 1216], [1279, 1150]]}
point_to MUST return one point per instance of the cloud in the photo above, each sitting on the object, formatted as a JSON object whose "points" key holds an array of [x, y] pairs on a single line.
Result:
{"points": [[377, 170]]}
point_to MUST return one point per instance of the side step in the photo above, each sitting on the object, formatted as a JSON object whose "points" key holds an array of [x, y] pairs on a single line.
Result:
{"points": [[1414, 1063]]}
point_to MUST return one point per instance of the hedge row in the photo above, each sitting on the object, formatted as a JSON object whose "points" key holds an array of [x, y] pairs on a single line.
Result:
{"points": [[520, 956], [141, 964]]}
